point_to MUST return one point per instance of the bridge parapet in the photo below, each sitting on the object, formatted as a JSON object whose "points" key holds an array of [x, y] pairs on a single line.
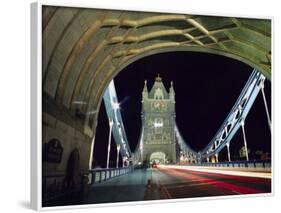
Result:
{"points": [[102, 175]]}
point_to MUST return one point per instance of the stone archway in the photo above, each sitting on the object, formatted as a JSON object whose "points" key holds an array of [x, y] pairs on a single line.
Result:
{"points": [[158, 157], [120, 36], [73, 174]]}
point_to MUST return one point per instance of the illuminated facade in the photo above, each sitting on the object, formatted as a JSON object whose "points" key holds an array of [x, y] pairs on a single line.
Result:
{"points": [[158, 118]]}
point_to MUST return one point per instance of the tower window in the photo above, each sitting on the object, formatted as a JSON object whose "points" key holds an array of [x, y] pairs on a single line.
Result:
{"points": [[158, 94]]}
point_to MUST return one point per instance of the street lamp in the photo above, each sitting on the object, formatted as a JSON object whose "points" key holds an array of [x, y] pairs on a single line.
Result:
{"points": [[228, 151], [245, 140], [117, 160], [109, 143]]}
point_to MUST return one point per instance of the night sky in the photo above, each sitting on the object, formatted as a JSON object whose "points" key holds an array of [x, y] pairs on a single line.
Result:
{"points": [[206, 88]]}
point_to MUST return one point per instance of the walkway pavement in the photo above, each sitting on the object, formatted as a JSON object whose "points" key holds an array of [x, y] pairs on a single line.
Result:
{"points": [[129, 187]]}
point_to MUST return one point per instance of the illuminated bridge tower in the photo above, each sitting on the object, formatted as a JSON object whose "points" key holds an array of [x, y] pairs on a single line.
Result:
{"points": [[158, 120]]}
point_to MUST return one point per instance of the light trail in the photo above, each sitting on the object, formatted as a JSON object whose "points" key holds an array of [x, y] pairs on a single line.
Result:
{"points": [[201, 181], [266, 175]]}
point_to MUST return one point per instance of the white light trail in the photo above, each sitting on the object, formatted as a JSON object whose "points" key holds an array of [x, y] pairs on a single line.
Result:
{"points": [[256, 174]]}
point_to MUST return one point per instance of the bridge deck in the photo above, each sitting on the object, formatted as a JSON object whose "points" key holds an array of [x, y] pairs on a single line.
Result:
{"points": [[168, 183], [185, 183], [179, 182]]}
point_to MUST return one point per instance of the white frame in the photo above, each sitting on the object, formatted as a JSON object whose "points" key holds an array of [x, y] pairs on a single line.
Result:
{"points": [[36, 100]]}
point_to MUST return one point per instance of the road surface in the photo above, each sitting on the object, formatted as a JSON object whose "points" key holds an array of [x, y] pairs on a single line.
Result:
{"points": [[185, 183]]}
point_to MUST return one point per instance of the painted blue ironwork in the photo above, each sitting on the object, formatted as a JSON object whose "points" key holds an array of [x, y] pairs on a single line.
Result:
{"points": [[114, 115], [237, 115]]}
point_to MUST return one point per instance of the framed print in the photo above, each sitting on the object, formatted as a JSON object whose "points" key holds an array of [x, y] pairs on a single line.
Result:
{"points": [[134, 106]]}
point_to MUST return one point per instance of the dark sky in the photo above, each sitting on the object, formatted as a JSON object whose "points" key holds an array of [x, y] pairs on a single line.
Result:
{"points": [[206, 87]]}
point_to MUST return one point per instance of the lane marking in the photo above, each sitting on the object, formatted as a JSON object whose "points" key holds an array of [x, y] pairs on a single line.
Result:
{"points": [[166, 192]]}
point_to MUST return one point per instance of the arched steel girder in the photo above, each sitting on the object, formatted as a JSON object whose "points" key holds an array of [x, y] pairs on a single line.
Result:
{"points": [[114, 115], [236, 116], [155, 48], [85, 49]]}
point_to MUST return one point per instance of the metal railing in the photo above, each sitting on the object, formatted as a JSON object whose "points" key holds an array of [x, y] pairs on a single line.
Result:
{"points": [[236, 116], [101, 175], [53, 184]]}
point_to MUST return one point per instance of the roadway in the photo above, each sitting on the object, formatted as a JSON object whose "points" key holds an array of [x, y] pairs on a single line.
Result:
{"points": [[177, 182]]}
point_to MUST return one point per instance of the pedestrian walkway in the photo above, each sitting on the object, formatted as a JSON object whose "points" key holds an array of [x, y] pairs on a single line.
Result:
{"points": [[129, 187]]}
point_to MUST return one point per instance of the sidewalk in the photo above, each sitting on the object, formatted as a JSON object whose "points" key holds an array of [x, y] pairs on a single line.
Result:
{"points": [[128, 187]]}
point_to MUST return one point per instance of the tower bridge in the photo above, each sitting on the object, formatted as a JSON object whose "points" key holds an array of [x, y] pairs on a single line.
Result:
{"points": [[86, 50], [159, 133]]}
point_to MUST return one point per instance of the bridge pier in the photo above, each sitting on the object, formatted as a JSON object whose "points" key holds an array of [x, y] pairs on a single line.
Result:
{"points": [[117, 160]]}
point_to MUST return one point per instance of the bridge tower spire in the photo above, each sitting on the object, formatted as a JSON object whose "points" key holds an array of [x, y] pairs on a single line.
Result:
{"points": [[144, 91], [172, 92]]}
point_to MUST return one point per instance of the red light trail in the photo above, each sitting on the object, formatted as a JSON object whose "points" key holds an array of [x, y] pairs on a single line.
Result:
{"points": [[228, 183]]}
